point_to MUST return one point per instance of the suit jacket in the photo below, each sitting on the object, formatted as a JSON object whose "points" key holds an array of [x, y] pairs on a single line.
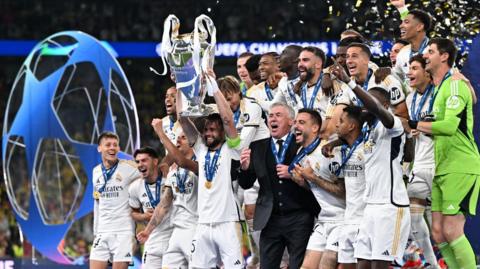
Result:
{"points": [[263, 167]]}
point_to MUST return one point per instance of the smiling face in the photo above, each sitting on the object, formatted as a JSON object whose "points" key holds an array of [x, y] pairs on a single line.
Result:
{"points": [[233, 99], [182, 143], [146, 164], [434, 58], [417, 75], [213, 134], [279, 121], [308, 63], [410, 27], [242, 70], [394, 52], [287, 60], [170, 101], [341, 56], [344, 126], [109, 149], [305, 128], [267, 66], [357, 61]]}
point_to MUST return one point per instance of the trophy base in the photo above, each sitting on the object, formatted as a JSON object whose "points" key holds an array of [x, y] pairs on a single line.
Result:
{"points": [[197, 112]]}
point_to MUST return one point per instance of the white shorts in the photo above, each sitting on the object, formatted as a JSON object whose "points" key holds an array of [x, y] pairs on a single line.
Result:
{"points": [[218, 240], [113, 247], [346, 243], [383, 232], [420, 183], [325, 236], [153, 255], [250, 195], [179, 248]]}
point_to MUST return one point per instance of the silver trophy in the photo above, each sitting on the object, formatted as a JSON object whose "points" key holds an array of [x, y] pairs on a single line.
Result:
{"points": [[189, 57]]}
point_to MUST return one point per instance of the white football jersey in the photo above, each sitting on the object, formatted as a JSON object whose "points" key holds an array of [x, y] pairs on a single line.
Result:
{"points": [[259, 93], [393, 86], [354, 176], [171, 128], [285, 92], [217, 203], [113, 209], [251, 125], [140, 199], [321, 100], [424, 157], [332, 207], [383, 151], [185, 195]]}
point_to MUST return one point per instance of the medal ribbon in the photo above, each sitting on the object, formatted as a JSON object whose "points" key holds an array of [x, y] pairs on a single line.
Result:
{"points": [[314, 94], [269, 92], [365, 85], [436, 90], [345, 156], [423, 45], [181, 179], [210, 169], [154, 202], [280, 156], [415, 113], [236, 116], [303, 152], [107, 175]]}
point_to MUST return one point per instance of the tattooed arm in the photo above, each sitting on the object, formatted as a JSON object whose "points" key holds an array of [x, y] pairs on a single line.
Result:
{"points": [[158, 215]]}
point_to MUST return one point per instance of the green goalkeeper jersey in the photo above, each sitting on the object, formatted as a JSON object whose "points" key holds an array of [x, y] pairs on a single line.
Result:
{"points": [[455, 148]]}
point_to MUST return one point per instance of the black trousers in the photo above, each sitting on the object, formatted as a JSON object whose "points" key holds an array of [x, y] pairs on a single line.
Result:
{"points": [[291, 231]]}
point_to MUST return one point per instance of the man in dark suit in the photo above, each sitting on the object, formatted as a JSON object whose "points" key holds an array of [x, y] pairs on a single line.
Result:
{"points": [[284, 211]]}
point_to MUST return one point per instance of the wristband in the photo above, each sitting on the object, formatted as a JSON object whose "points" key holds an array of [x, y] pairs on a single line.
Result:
{"points": [[413, 124], [352, 84], [233, 142]]}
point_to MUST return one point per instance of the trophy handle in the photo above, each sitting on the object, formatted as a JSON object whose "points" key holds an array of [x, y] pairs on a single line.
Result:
{"points": [[206, 62], [170, 30]]}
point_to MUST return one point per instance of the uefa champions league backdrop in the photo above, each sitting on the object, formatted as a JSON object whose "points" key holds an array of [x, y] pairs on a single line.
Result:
{"points": [[68, 90]]}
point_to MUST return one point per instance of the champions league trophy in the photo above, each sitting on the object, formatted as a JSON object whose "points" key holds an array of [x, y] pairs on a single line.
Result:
{"points": [[189, 57]]}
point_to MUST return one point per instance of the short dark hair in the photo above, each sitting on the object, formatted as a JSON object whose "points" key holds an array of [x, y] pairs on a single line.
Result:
{"points": [[317, 119], [423, 17], [213, 118], [349, 40], [295, 48], [245, 54], [383, 93], [400, 41], [317, 52], [418, 58], [355, 113], [362, 46], [272, 54], [146, 150], [445, 45], [107, 134], [252, 63]]}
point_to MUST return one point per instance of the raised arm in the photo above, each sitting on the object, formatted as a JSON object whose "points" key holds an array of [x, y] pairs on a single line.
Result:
{"points": [[158, 215], [188, 127], [173, 151], [370, 103], [223, 108]]}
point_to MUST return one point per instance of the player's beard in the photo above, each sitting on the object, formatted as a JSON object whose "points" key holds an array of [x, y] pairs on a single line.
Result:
{"points": [[216, 141], [309, 73]]}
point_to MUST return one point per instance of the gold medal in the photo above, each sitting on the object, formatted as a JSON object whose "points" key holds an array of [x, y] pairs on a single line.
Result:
{"points": [[96, 195], [208, 184], [177, 189]]}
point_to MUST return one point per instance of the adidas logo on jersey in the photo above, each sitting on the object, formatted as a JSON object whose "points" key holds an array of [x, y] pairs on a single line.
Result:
{"points": [[128, 255], [335, 244], [144, 195], [386, 253], [451, 207], [237, 262]]}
